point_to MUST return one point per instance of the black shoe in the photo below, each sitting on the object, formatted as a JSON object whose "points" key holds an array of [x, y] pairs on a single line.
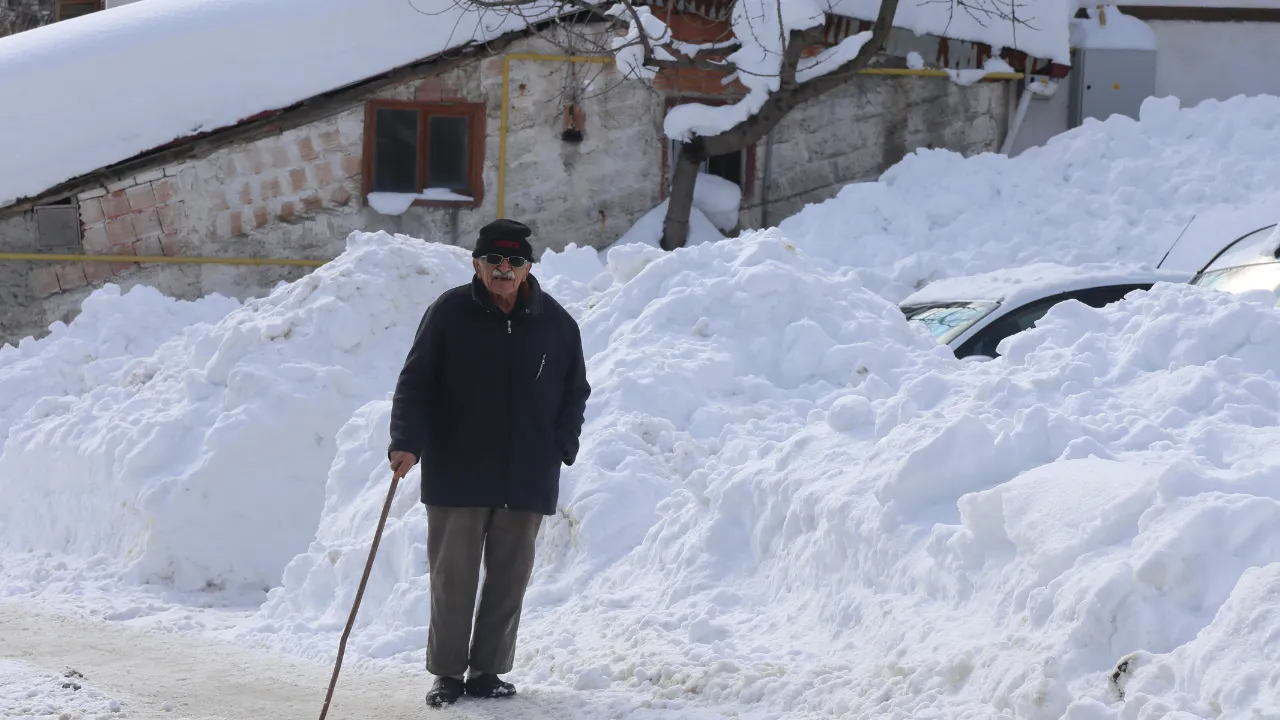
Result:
{"points": [[489, 685], [445, 691]]}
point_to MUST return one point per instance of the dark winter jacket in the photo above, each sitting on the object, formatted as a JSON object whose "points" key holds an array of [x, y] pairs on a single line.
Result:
{"points": [[491, 404]]}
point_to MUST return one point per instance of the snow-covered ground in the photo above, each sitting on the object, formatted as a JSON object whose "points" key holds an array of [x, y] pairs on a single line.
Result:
{"points": [[789, 502]]}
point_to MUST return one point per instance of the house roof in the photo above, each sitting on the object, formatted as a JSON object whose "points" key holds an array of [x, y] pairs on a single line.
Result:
{"points": [[83, 94]]}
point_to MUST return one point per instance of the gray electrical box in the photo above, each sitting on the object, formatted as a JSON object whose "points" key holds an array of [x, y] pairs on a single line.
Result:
{"points": [[1110, 82]]}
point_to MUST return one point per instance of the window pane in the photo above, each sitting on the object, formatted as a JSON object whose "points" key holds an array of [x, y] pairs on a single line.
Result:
{"points": [[447, 154], [395, 155], [68, 10], [728, 166]]}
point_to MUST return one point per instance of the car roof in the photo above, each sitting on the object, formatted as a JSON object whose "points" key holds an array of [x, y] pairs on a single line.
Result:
{"points": [[1032, 282]]}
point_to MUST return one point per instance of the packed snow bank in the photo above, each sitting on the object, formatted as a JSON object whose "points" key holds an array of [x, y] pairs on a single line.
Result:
{"points": [[1114, 191], [789, 499], [111, 330], [203, 464]]}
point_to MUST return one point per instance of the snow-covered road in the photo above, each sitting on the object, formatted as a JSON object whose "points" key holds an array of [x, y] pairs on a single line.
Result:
{"points": [[205, 679]]}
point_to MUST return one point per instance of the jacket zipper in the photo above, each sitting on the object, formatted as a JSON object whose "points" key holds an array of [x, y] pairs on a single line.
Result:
{"points": [[506, 480], [540, 366]]}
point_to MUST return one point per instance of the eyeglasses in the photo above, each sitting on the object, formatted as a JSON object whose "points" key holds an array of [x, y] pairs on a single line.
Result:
{"points": [[496, 259]]}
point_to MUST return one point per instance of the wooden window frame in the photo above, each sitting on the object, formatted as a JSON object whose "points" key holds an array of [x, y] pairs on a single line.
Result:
{"points": [[98, 6], [475, 114]]}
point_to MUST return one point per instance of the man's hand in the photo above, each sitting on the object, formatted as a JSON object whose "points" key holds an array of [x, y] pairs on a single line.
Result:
{"points": [[402, 463]]}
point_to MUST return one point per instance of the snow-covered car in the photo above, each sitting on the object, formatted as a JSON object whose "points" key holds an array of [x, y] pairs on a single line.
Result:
{"points": [[1251, 262], [973, 314]]}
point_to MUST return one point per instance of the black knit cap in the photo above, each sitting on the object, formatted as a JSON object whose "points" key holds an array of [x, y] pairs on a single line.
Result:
{"points": [[505, 237]]}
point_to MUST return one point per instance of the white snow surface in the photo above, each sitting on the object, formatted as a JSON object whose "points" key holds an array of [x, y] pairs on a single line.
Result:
{"points": [[34, 693], [1118, 191], [790, 502], [225, 46]]}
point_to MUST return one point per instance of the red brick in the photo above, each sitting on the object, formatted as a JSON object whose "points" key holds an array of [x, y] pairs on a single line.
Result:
{"points": [[96, 240], [237, 224], [298, 180], [351, 165], [307, 149], [254, 161], [120, 231], [171, 244], [246, 194], [172, 217], [340, 195], [145, 222], [118, 268], [166, 190], [260, 216], [91, 212], [323, 173], [331, 139], [287, 211], [148, 246], [44, 281], [220, 203], [115, 205], [96, 272], [312, 203], [71, 277], [141, 197], [270, 189], [280, 157], [429, 89]]}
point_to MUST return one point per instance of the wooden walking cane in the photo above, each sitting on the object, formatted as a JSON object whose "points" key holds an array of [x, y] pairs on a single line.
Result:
{"points": [[355, 606]]}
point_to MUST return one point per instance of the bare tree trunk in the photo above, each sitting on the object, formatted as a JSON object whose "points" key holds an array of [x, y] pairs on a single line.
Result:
{"points": [[675, 227]]}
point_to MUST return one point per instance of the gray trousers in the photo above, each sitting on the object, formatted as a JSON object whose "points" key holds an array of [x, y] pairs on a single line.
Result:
{"points": [[458, 539]]}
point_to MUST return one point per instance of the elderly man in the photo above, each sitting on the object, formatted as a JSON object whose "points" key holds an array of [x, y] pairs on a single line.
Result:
{"points": [[491, 399]]}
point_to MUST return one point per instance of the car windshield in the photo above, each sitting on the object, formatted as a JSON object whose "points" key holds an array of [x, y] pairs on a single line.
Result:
{"points": [[1259, 276], [948, 321], [1258, 246]]}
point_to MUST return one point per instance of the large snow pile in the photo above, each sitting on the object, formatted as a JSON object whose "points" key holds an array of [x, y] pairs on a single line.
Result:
{"points": [[203, 464], [814, 512], [789, 498], [213, 87], [1119, 190], [686, 350], [111, 330]]}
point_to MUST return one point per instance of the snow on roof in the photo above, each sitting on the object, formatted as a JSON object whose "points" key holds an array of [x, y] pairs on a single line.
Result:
{"points": [[1042, 31], [1111, 29], [86, 93], [1022, 284]]}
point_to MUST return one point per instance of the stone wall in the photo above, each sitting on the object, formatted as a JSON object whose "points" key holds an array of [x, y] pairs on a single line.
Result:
{"points": [[858, 131]]}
